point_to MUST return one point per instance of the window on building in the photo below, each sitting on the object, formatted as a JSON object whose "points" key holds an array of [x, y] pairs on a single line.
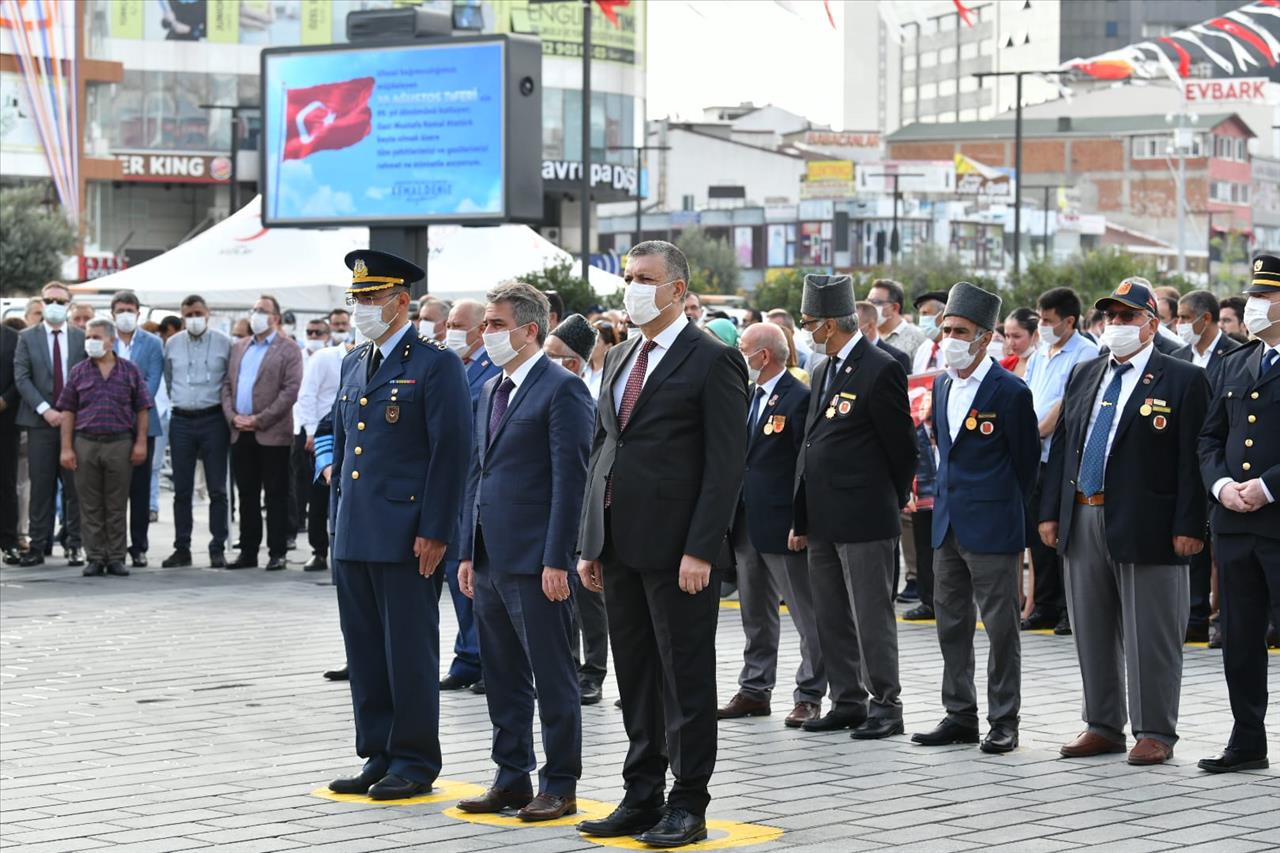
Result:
{"points": [[1242, 150], [947, 56], [947, 87], [909, 62], [947, 23], [1112, 29], [928, 60], [928, 90], [969, 50], [909, 95], [968, 83]]}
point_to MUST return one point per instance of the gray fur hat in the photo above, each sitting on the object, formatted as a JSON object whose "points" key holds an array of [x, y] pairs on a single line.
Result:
{"points": [[973, 303], [827, 296], [577, 335]]}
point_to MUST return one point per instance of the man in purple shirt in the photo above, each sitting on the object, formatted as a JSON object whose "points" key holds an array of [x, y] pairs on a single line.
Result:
{"points": [[102, 442]]}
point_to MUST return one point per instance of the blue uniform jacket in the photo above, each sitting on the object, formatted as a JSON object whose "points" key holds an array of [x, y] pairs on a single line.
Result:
{"points": [[479, 371], [985, 478], [147, 355], [400, 446], [527, 480], [771, 465]]}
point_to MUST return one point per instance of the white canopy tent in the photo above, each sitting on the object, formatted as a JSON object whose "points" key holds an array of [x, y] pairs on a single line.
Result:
{"points": [[235, 261]]}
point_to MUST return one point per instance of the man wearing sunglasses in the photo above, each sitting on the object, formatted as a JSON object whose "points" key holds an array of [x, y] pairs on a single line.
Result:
{"points": [[1124, 504]]}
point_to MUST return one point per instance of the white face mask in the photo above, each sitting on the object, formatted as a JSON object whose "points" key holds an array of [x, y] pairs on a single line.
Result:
{"points": [[1257, 315], [456, 340], [1123, 341], [957, 353], [753, 373], [336, 338], [1187, 332], [498, 346], [95, 348], [315, 344], [197, 325], [879, 315], [368, 319], [259, 322], [126, 321], [1049, 336], [55, 314], [929, 325], [641, 303]]}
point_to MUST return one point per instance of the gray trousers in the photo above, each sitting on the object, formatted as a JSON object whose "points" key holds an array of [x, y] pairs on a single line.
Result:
{"points": [[959, 577], [764, 580], [852, 587], [1126, 618], [44, 447], [103, 474]]}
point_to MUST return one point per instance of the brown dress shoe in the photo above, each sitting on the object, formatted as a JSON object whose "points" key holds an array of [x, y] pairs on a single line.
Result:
{"points": [[1089, 744], [1150, 751], [494, 800], [801, 712], [743, 706], [548, 807]]}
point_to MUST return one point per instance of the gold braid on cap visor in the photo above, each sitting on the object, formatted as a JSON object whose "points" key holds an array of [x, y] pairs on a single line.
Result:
{"points": [[384, 281]]}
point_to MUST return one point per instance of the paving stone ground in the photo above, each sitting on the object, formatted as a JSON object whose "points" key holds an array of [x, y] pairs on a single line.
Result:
{"points": [[180, 709]]}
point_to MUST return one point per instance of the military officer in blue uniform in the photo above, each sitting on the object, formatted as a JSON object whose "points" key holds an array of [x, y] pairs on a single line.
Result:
{"points": [[1240, 462], [401, 440]]}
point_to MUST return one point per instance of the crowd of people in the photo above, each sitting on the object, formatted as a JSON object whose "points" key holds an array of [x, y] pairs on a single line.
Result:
{"points": [[596, 482]]}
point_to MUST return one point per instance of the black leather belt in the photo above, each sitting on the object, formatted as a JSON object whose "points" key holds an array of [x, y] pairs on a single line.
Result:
{"points": [[196, 413], [104, 436]]}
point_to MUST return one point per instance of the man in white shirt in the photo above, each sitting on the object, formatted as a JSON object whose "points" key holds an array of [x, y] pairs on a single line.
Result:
{"points": [[929, 307], [321, 376]]}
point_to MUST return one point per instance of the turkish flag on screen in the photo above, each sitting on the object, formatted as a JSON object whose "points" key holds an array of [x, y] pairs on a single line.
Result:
{"points": [[326, 117]]}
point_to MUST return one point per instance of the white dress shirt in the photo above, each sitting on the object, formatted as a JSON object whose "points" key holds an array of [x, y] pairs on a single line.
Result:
{"points": [[1128, 381], [1200, 359], [840, 359], [963, 391], [520, 374], [928, 356], [1223, 481], [664, 341], [768, 387], [62, 352], [594, 379], [321, 377]]}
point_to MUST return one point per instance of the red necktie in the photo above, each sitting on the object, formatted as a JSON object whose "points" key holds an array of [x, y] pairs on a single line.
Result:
{"points": [[630, 394], [57, 368], [933, 356]]}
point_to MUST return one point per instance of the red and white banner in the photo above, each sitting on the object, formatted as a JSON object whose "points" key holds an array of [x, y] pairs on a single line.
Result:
{"points": [[327, 117]]}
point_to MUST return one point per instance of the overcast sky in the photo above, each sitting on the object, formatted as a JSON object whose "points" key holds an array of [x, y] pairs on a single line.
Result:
{"points": [[704, 52]]}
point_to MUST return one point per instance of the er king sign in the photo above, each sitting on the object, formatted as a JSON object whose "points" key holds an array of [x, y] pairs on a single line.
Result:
{"points": [[175, 168]]}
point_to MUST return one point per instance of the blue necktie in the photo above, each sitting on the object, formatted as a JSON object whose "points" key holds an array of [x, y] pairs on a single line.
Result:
{"points": [[500, 399], [753, 415], [1094, 465], [1269, 361]]}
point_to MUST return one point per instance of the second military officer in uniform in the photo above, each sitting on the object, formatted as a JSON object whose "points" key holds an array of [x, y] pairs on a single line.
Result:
{"points": [[401, 438], [1240, 460]]}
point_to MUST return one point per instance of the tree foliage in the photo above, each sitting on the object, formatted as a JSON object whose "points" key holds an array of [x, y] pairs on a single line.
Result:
{"points": [[713, 266], [33, 239], [577, 294]]}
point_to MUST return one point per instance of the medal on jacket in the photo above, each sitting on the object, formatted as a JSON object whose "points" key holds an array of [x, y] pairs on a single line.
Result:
{"points": [[831, 409], [393, 413]]}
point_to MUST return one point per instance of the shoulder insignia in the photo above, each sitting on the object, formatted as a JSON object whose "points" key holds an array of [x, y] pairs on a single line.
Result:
{"points": [[1244, 349], [432, 342]]}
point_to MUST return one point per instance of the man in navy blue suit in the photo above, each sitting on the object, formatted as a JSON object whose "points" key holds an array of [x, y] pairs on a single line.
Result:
{"points": [[989, 453], [520, 531], [401, 436], [462, 335]]}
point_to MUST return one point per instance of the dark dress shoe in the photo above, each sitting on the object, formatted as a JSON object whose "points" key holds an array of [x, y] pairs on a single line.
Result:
{"points": [[591, 692], [94, 569], [624, 820], [946, 732], [12, 556], [31, 558], [277, 564], [316, 564], [617, 703], [744, 706], [676, 829], [139, 561], [495, 800], [548, 807], [1231, 761], [358, 784], [1215, 636], [244, 561], [478, 687], [115, 567], [454, 682], [836, 719], [1063, 628], [918, 613], [1040, 620], [999, 740], [178, 559], [75, 557], [218, 560], [802, 713], [1197, 634], [393, 787], [336, 674], [1273, 638], [874, 729], [909, 593]]}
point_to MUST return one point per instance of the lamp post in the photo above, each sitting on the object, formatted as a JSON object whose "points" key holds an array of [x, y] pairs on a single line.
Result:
{"points": [[1182, 144], [895, 243], [235, 110], [1044, 229], [586, 138], [640, 150], [1017, 155]]}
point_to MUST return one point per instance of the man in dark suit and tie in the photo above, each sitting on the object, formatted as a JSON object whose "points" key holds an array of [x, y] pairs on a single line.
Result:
{"points": [[519, 537], [1124, 504], [9, 436], [1240, 463], [1198, 314], [853, 478], [868, 317], [768, 571], [989, 456], [666, 470]]}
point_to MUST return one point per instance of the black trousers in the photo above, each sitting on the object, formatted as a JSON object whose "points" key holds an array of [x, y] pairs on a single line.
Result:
{"points": [[664, 653], [262, 470], [922, 535], [1201, 584], [318, 519], [1249, 586], [140, 502], [301, 467], [9, 438], [1051, 593]]}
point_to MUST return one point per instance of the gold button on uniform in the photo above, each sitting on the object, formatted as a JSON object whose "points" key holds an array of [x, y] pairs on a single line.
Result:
{"points": [[1248, 442], [1253, 419], [364, 401], [1253, 396], [360, 425], [355, 475], [1246, 466], [359, 450]]}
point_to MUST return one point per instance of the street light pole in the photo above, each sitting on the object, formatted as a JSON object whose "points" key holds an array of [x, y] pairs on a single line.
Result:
{"points": [[640, 152], [1044, 225], [586, 138], [235, 110], [895, 242]]}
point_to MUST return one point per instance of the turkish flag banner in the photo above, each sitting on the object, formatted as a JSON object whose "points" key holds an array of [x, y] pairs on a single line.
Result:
{"points": [[327, 117]]}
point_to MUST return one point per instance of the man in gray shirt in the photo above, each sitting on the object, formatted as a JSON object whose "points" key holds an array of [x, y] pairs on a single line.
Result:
{"points": [[195, 363], [890, 300]]}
